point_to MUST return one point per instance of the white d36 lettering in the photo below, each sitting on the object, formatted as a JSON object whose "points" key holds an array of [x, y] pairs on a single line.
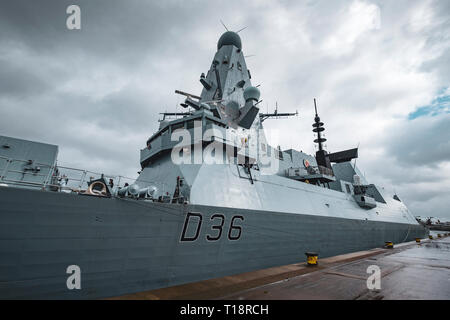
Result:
{"points": [[74, 280]]}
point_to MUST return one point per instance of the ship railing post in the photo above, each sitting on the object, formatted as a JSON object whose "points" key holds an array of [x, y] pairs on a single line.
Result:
{"points": [[82, 179], [44, 184], [118, 187], [49, 175], [5, 170]]}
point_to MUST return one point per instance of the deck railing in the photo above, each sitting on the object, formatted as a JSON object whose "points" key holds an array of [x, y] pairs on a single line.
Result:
{"points": [[58, 178]]}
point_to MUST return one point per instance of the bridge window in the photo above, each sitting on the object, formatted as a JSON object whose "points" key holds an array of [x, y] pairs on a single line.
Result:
{"points": [[190, 124], [279, 154], [348, 188], [177, 126]]}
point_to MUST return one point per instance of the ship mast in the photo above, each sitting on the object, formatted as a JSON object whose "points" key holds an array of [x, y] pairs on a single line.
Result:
{"points": [[318, 128], [321, 154]]}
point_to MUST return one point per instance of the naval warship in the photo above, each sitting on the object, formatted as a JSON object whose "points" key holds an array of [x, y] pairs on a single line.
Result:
{"points": [[213, 198]]}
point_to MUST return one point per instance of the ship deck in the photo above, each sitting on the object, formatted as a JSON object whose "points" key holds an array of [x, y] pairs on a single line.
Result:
{"points": [[409, 271]]}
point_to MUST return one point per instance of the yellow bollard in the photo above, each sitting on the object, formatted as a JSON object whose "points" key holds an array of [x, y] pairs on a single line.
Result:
{"points": [[439, 235], [311, 258], [430, 237], [418, 240], [389, 245]]}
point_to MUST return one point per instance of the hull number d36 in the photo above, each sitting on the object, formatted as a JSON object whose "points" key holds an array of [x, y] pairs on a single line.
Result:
{"points": [[194, 221]]}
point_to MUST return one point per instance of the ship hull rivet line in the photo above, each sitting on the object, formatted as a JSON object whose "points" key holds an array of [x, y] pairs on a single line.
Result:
{"points": [[311, 258], [389, 245]]}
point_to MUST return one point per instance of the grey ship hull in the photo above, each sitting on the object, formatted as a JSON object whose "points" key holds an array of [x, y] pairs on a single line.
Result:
{"points": [[124, 246]]}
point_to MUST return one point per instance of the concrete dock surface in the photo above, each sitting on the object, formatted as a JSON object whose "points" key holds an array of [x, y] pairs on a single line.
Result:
{"points": [[409, 271]]}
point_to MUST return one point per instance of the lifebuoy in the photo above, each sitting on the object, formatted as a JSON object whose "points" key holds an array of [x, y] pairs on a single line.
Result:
{"points": [[94, 189]]}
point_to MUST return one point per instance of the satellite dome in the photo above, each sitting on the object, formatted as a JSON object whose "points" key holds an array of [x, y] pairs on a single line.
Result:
{"points": [[229, 38], [251, 93]]}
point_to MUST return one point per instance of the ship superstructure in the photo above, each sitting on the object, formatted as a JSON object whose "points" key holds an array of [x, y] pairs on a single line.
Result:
{"points": [[228, 147]]}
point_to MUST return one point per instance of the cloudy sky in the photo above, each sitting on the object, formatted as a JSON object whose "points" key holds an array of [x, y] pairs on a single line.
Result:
{"points": [[379, 69]]}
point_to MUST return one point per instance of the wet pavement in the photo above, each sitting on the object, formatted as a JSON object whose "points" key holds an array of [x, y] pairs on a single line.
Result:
{"points": [[412, 271], [409, 271]]}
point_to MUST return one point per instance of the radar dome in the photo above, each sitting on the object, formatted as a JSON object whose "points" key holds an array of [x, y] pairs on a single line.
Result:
{"points": [[229, 38], [251, 93]]}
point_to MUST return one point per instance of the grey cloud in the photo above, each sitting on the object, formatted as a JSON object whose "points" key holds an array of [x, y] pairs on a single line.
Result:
{"points": [[19, 82], [422, 142]]}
